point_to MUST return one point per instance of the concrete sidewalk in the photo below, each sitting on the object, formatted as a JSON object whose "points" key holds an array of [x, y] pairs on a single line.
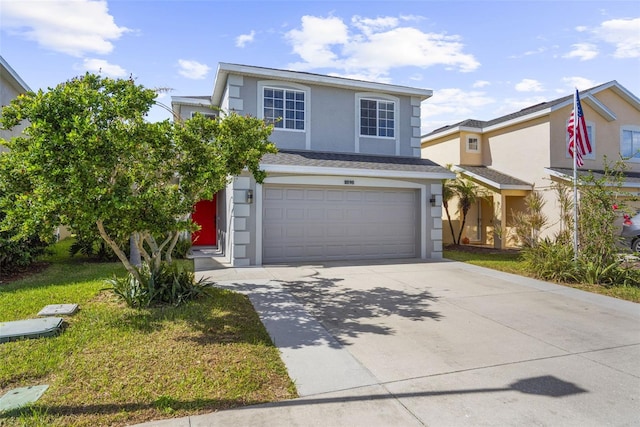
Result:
{"points": [[409, 343]]}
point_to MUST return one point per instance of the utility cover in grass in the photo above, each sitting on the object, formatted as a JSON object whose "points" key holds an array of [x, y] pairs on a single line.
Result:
{"points": [[30, 328], [58, 310], [19, 397]]}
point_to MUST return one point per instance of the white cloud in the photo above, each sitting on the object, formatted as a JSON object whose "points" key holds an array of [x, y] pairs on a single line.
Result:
{"points": [[314, 40], [243, 39], [583, 51], [451, 105], [580, 83], [529, 85], [624, 34], [74, 27], [103, 67], [373, 46], [530, 53], [193, 69], [481, 83]]}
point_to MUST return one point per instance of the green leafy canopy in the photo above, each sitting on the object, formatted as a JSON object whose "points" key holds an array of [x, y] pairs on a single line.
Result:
{"points": [[89, 159]]}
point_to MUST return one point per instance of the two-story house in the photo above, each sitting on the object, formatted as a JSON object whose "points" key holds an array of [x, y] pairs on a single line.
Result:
{"points": [[11, 85], [347, 182], [514, 154]]}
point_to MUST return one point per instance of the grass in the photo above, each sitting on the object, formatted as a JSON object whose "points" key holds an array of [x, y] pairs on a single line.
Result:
{"points": [[511, 262], [113, 365]]}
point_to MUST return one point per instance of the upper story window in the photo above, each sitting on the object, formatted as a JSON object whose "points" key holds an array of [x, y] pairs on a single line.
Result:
{"points": [[630, 143], [473, 144], [284, 108], [377, 118]]}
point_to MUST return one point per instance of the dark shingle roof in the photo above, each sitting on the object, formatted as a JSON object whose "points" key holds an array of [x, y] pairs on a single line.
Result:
{"points": [[352, 161], [524, 112], [493, 177]]}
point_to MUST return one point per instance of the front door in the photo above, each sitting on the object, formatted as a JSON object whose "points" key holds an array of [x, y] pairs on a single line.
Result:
{"points": [[204, 214]]}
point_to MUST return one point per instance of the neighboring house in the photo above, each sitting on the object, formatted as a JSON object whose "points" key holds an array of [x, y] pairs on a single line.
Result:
{"points": [[347, 183], [512, 155], [11, 85]]}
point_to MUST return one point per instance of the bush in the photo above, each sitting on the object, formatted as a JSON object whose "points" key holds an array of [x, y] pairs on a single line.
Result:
{"points": [[551, 261], [182, 248], [93, 247], [168, 284], [16, 254]]}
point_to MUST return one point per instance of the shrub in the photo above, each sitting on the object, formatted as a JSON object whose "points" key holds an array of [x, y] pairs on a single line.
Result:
{"points": [[168, 284], [16, 254], [549, 260], [93, 247]]}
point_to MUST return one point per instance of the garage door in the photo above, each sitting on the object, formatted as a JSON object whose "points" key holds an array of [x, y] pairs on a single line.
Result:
{"points": [[316, 223]]}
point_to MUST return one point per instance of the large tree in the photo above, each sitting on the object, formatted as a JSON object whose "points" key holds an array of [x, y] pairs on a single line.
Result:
{"points": [[89, 159]]}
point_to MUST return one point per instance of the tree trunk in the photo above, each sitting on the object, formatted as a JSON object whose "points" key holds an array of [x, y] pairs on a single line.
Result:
{"points": [[116, 249], [453, 233], [174, 241], [464, 220]]}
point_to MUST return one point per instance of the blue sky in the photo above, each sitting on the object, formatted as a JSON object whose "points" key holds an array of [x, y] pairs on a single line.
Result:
{"points": [[482, 59]]}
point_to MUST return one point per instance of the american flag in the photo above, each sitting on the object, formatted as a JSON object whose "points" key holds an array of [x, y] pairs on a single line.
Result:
{"points": [[581, 137]]}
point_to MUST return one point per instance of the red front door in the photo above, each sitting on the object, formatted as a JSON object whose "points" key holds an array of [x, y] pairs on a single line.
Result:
{"points": [[204, 214]]}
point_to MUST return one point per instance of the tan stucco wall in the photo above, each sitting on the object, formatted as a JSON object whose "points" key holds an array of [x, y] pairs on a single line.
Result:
{"points": [[444, 151], [607, 133]]}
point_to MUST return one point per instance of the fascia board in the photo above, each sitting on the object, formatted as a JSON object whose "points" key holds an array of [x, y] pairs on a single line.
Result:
{"points": [[15, 76], [225, 69], [451, 131], [185, 100], [318, 170], [569, 178]]}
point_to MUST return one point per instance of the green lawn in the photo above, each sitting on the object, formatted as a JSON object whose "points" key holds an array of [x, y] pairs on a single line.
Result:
{"points": [[114, 366], [511, 262]]}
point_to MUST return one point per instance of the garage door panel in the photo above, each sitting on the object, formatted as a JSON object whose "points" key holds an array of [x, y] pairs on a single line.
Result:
{"points": [[314, 223]]}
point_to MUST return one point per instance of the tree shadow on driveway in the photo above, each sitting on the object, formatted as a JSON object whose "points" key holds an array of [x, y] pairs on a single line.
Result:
{"points": [[349, 312]]}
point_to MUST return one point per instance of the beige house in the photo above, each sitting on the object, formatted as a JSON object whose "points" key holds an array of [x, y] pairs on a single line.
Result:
{"points": [[11, 85], [512, 155]]}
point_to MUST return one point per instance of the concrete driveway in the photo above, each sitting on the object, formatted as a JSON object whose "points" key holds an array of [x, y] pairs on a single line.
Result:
{"points": [[410, 343]]}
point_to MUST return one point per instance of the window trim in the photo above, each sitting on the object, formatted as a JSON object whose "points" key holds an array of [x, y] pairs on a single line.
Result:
{"points": [[285, 86], [592, 139], [377, 97], [467, 140], [631, 128]]}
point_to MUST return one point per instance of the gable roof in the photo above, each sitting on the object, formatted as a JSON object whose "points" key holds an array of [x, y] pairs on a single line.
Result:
{"points": [[13, 76], [322, 163], [493, 178], [541, 109], [224, 69]]}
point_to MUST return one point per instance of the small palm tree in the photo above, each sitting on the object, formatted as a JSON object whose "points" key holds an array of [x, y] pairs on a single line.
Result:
{"points": [[467, 193]]}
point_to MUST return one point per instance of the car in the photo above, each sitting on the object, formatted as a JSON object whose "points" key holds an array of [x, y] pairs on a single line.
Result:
{"points": [[631, 231]]}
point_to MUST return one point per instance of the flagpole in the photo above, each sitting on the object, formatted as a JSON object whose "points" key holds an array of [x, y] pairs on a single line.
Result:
{"points": [[575, 175]]}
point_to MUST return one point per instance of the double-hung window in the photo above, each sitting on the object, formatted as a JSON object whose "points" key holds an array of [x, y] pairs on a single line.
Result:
{"points": [[377, 118], [630, 143], [284, 108]]}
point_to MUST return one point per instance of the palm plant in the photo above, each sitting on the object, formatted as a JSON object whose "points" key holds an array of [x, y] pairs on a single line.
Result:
{"points": [[467, 193]]}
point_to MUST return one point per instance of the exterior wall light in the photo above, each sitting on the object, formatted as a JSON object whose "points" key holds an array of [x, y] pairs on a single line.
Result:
{"points": [[249, 196], [432, 200]]}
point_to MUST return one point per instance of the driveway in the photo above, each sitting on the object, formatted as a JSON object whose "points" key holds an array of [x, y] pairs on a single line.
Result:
{"points": [[439, 344]]}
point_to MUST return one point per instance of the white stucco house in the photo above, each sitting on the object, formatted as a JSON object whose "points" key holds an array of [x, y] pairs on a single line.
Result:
{"points": [[11, 85], [348, 182]]}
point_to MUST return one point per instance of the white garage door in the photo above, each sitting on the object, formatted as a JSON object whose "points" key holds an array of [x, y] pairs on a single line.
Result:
{"points": [[316, 223]]}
